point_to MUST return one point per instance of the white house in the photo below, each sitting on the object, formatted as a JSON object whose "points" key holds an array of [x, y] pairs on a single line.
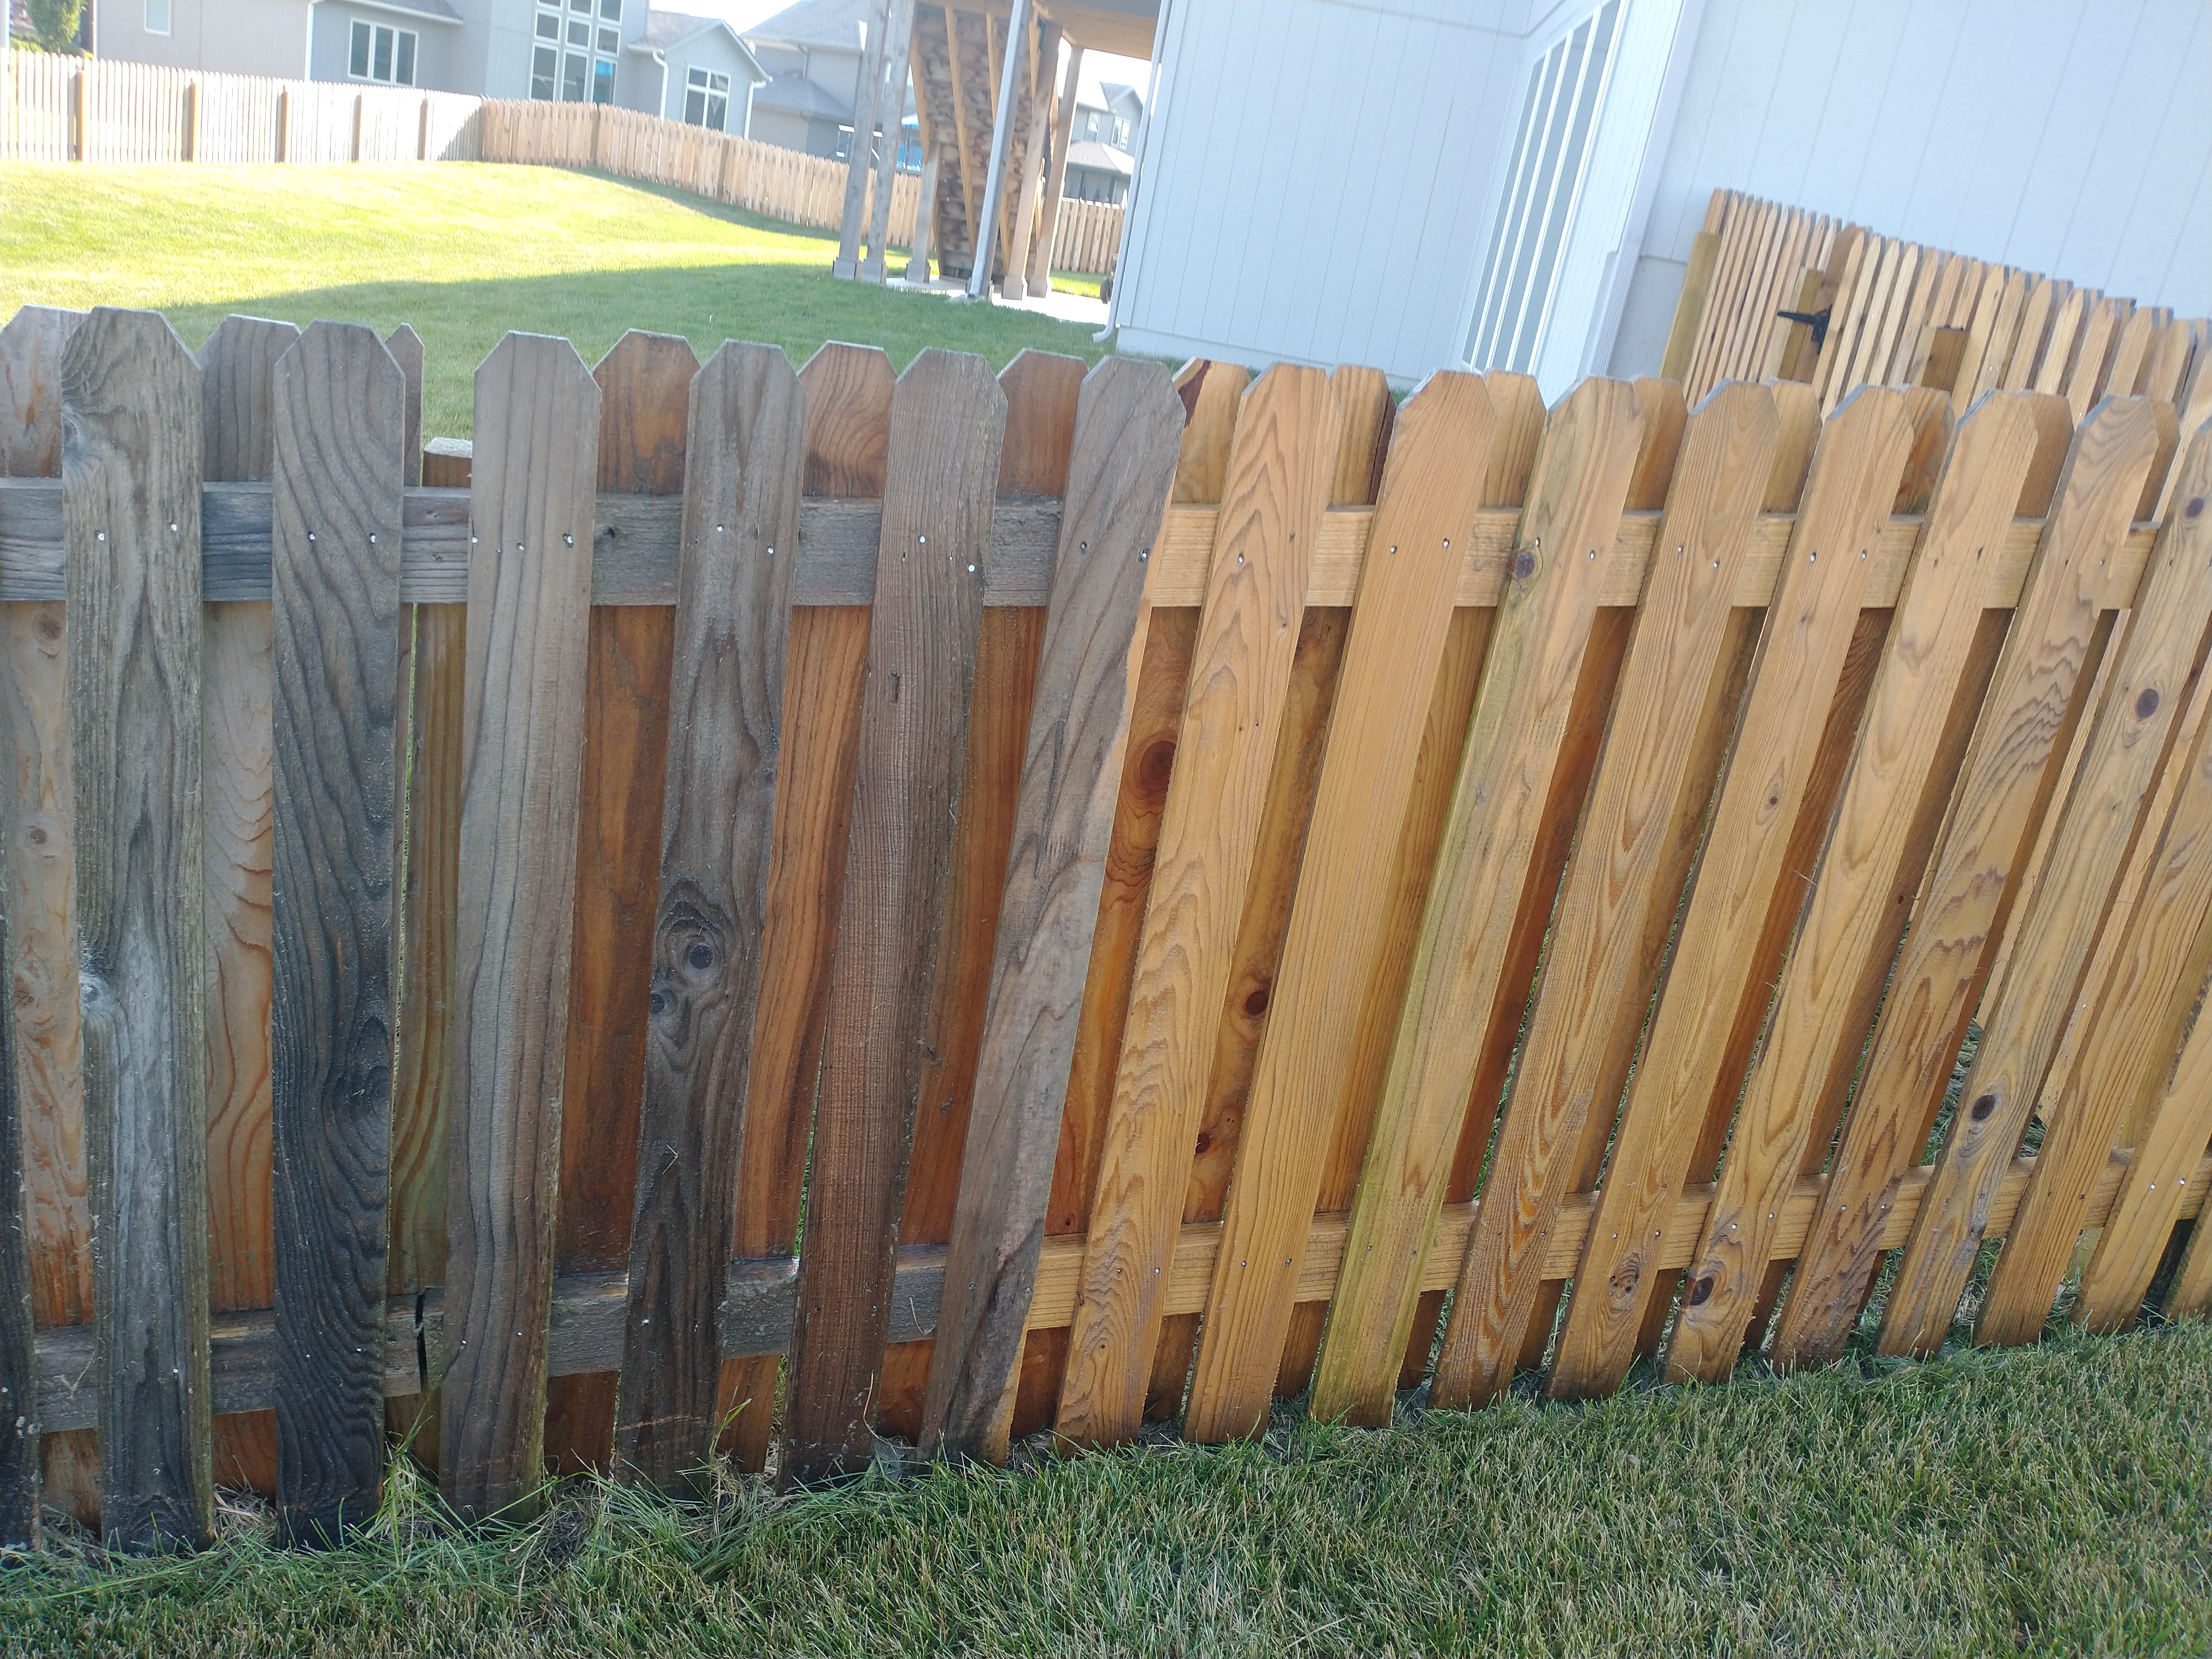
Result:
{"points": [[1516, 183]]}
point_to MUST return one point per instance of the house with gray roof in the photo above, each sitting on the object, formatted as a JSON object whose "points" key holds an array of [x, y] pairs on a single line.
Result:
{"points": [[811, 53]]}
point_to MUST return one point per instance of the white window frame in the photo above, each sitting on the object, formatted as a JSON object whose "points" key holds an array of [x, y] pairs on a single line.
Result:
{"points": [[699, 82], [404, 43], [162, 10], [580, 67]]}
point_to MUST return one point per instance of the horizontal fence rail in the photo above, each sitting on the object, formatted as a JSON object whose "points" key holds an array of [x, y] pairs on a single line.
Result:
{"points": [[54, 108], [1175, 875]]}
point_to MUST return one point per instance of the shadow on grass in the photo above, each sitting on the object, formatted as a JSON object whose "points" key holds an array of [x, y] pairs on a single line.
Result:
{"points": [[797, 306]]}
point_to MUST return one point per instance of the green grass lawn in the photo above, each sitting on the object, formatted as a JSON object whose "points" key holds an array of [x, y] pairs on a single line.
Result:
{"points": [[462, 252], [2054, 1499]]}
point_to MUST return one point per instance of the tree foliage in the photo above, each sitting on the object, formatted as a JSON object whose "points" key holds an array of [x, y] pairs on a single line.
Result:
{"points": [[56, 22]]}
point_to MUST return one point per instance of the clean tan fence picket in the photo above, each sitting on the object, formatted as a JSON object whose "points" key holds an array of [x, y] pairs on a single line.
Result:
{"points": [[1892, 312], [1172, 875], [63, 109]]}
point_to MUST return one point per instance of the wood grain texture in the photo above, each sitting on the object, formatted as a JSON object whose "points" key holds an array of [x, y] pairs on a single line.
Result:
{"points": [[947, 419], [1126, 439], [406, 346], [848, 412], [1042, 391], [1527, 686], [20, 1452], [1277, 473], [1430, 489], [238, 363], [1847, 937], [1571, 1066], [645, 385], [2178, 1127], [1364, 412], [1211, 393], [1960, 910], [130, 474], [339, 414], [48, 1114], [2060, 918], [2124, 1036], [537, 446], [1807, 631], [1147, 769], [1518, 405], [746, 465]]}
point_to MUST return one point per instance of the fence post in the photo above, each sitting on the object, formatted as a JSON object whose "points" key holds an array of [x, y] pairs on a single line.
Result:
{"points": [[360, 113], [284, 125], [80, 109], [191, 121]]}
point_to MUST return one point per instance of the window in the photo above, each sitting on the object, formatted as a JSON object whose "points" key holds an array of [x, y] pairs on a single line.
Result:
{"points": [[157, 16], [706, 100], [384, 54], [1543, 181], [574, 55]]}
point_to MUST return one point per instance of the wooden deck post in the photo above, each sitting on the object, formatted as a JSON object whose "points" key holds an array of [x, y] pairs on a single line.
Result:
{"points": [[866, 96], [891, 102], [925, 216], [1002, 127], [1048, 225], [1014, 285]]}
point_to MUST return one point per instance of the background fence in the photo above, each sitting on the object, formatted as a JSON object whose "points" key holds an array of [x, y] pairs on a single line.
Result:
{"points": [[1893, 312], [65, 109], [1641, 870]]}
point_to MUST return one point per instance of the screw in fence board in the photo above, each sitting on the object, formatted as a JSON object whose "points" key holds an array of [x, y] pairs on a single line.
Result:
{"points": [[849, 411], [1277, 474], [1873, 858], [745, 470], [1959, 914], [1808, 628], [2177, 1123], [2123, 1034], [1117, 475], [645, 387], [340, 425], [35, 803], [131, 481], [1644, 804], [1042, 393], [2061, 919], [947, 420], [529, 573], [237, 368], [1327, 937], [1527, 685]]}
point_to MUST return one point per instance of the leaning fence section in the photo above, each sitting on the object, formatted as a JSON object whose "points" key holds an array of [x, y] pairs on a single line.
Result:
{"points": [[756, 908], [54, 108], [1772, 291]]}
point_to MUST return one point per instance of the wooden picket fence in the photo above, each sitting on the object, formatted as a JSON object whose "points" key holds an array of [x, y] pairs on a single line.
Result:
{"points": [[1897, 313], [68, 109], [1575, 860]]}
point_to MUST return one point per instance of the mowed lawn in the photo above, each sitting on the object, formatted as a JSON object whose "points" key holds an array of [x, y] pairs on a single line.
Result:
{"points": [[2055, 1500], [462, 252]]}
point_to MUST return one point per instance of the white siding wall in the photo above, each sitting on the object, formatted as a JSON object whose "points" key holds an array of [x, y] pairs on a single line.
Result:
{"points": [[1317, 183], [2072, 137]]}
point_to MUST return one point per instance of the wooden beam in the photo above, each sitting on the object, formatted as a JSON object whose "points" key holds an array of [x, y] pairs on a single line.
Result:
{"points": [[1063, 124], [1002, 132], [891, 102], [868, 90], [1015, 285]]}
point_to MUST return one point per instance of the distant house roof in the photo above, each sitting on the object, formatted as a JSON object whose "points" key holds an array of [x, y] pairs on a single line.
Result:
{"points": [[792, 94], [833, 23], [1100, 158], [665, 31], [430, 11]]}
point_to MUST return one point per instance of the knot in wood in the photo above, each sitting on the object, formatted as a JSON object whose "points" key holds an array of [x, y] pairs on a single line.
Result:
{"points": [[1524, 564]]}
